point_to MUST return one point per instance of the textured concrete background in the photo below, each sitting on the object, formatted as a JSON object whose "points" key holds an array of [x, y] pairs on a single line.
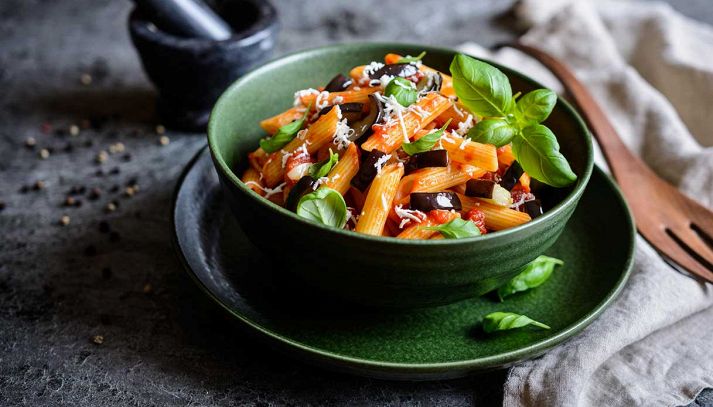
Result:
{"points": [[114, 274]]}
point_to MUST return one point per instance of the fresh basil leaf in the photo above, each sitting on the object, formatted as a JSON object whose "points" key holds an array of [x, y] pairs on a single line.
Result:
{"points": [[492, 131], [403, 90], [426, 142], [481, 87], [532, 275], [325, 206], [503, 321], [537, 151], [322, 168], [284, 135], [456, 229], [536, 106], [407, 60]]}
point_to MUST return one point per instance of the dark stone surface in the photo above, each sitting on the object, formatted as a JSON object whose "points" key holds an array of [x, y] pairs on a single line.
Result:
{"points": [[60, 286]]}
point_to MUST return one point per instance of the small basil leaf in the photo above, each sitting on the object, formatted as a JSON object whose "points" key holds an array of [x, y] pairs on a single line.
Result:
{"points": [[532, 275], [492, 131], [403, 90], [322, 168], [426, 142], [284, 135], [502, 321], [481, 87], [456, 229], [325, 206], [407, 60], [536, 106], [537, 151]]}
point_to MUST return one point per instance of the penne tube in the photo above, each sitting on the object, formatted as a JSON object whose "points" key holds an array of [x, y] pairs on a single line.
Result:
{"points": [[388, 138], [272, 124], [391, 58], [525, 181], [345, 169], [496, 217], [435, 179], [456, 113], [356, 73], [257, 159], [324, 99], [505, 155], [251, 178], [419, 231], [379, 200], [467, 151], [316, 135]]}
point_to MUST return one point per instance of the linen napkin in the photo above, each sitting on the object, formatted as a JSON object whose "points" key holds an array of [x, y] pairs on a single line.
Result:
{"points": [[650, 69]]}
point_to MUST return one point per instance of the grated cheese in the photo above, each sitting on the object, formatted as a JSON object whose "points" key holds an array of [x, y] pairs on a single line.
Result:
{"points": [[421, 112], [302, 93], [391, 107], [465, 125], [464, 143], [342, 134], [408, 214], [384, 202], [268, 191], [523, 198], [322, 100], [319, 182], [368, 70], [379, 164]]}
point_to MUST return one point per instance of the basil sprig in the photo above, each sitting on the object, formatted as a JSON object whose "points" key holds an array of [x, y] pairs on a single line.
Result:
{"points": [[325, 206], [486, 91], [426, 142], [456, 229], [322, 168], [503, 321], [284, 135], [532, 275], [403, 90], [408, 60]]}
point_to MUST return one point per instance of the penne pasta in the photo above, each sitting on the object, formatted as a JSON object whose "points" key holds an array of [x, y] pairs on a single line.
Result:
{"points": [[466, 151], [379, 200], [456, 113], [272, 124], [389, 137], [324, 99], [257, 159], [435, 179], [505, 155], [496, 217], [419, 231], [317, 135], [251, 178], [346, 168]]}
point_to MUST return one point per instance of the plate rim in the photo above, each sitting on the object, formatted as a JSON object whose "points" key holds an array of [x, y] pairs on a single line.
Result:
{"points": [[395, 370]]}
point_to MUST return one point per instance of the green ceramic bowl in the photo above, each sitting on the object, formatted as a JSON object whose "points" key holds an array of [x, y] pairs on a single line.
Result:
{"points": [[378, 271]]}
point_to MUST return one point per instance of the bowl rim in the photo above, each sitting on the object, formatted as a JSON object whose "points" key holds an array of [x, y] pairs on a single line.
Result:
{"points": [[224, 169]]}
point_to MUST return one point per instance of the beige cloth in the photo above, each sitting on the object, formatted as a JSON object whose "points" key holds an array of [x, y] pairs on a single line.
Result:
{"points": [[651, 70]]}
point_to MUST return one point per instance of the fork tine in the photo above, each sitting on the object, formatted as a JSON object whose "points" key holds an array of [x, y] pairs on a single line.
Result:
{"points": [[674, 252], [689, 238], [706, 237]]}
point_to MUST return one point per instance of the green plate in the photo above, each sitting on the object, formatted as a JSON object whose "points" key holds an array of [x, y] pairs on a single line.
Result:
{"points": [[430, 343]]}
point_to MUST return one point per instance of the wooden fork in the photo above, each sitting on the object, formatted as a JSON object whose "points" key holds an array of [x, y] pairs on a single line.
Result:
{"points": [[677, 226]]}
